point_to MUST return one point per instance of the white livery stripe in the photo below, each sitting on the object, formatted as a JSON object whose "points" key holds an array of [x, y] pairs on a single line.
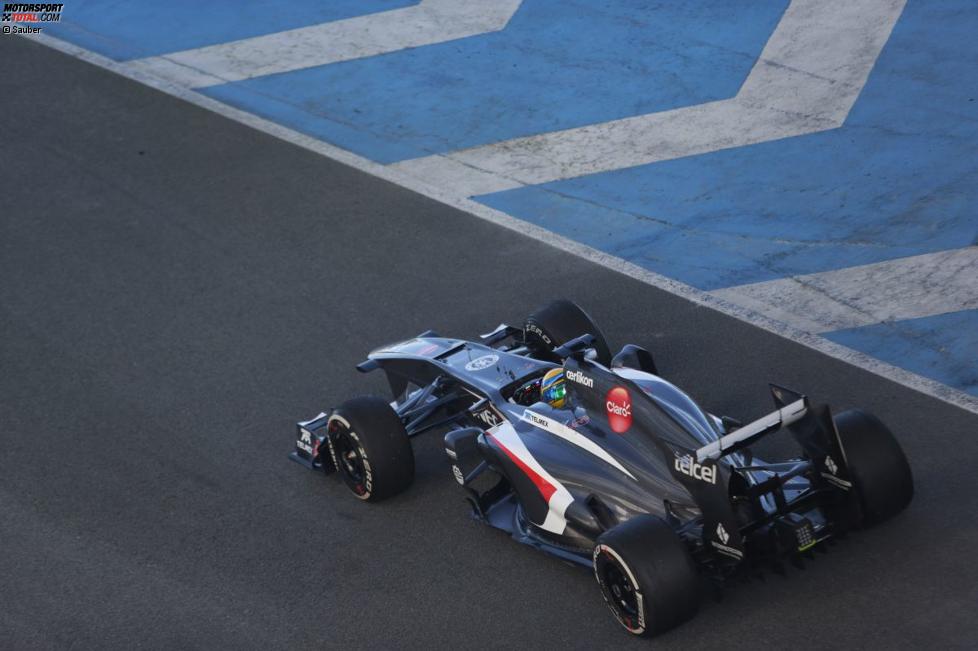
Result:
{"points": [[431, 21], [555, 521], [572, 436]]}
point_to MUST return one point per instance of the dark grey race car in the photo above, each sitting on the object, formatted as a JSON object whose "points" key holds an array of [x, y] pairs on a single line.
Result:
{"points": [[628, 476]]}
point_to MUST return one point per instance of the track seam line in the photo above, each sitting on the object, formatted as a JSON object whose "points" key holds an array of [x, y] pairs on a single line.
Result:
{"points": [[815, 342]]}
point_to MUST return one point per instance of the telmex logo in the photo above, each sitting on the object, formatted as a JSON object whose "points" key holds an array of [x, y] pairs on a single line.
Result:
{"points": [[580, 378], [619, 406]]}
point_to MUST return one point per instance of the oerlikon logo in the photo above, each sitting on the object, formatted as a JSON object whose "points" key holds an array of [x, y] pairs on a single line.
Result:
{"points": [[619, 406]]}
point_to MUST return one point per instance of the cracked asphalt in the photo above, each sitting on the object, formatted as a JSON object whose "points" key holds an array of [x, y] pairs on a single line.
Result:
{"points": [[176, 290]]}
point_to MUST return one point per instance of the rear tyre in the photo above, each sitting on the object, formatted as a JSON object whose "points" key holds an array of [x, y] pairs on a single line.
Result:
{"points": [[372, 448], [556, 323], [646, 576], [878, 468]]}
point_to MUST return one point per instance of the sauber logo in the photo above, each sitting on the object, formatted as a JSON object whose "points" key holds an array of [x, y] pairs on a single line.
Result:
{"points": [[830, 465], [687, 466], [619, 406], [832, 475], [305, 441], [459, 477], [722, 534], [480, 363], [580, 378]]}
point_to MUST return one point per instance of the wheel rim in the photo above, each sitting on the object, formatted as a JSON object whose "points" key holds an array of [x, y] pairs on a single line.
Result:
{"points": [[350, 457], [621, 593]]}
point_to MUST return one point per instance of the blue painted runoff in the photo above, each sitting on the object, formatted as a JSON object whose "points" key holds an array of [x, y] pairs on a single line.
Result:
{"points": [[943, 347], [558, 64], [899, 178], [132, 30]]}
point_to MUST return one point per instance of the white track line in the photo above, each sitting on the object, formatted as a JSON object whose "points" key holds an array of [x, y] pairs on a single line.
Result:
{"points": [[431, 21], [906, 288], [806, 80], [450, 198]]}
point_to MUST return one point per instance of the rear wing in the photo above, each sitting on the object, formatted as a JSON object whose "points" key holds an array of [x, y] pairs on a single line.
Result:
{"points": [[812, 426], [784, 416]]}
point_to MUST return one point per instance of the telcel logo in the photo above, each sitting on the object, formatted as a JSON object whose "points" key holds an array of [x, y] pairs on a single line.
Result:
{"points": [[619, 406], [580, 378], [687, 466]]}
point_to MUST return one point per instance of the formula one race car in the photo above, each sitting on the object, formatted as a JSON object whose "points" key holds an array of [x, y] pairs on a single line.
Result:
{"points": [[600, 461]]}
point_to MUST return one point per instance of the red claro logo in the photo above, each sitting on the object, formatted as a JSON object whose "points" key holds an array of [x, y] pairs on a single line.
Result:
{"points": [[619, 406]]}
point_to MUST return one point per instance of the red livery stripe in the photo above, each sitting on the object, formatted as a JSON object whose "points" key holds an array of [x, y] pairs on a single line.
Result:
{"points": [[546, 488]]}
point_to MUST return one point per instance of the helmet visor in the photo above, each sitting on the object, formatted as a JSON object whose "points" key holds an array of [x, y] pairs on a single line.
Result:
{"points": [[555, 393]]}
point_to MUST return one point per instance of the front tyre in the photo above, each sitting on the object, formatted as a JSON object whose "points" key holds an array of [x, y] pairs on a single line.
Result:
{"points": [[372, 449], [646, 576], [878, 468]]}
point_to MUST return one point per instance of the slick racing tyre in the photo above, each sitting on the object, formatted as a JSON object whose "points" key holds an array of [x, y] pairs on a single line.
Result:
{"points": [[878, 468], [372, 449], [556, 323], [646, 575]]}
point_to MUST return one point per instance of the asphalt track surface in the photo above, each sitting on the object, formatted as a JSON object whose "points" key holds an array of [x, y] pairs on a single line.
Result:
{"points": [[177, 289]]}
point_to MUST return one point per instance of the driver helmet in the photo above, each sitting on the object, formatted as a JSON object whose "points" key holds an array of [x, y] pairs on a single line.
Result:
{"points": [[552, 388]]}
